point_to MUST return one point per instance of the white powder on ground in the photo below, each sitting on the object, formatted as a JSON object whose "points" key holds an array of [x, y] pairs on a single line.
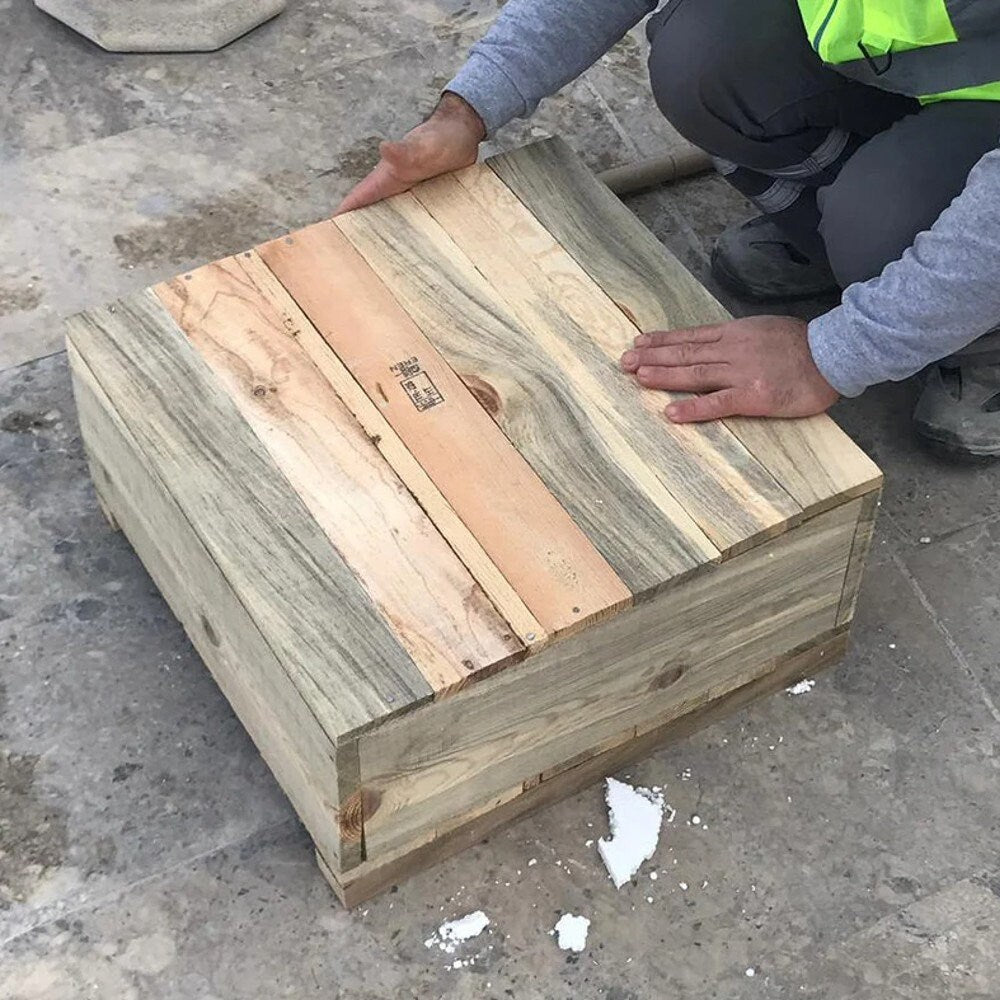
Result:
{"points": [[572, 932], [452, 933], [634, 815], [803, 687]]}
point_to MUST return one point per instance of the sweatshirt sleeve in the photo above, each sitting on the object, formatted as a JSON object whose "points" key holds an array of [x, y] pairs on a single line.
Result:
{"points": [[939, 297], [536, 47]]}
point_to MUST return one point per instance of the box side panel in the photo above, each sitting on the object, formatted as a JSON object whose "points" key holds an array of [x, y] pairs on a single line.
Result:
{"points": [[658, 661], [268, 704], [859, 554], [812, 458], [469, 828]]}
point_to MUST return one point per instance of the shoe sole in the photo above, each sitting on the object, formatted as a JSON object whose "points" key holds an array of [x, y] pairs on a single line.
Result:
{"points": [[737, 287]]}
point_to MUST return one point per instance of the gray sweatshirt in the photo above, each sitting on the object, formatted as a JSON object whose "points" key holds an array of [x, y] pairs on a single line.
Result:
{"points": [[940, 296]]}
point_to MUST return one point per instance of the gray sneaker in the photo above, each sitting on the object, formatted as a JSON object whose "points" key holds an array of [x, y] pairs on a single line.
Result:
{"points": [[756, 261]]}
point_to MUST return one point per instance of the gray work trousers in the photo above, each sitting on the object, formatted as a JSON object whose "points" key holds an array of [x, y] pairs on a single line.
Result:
{"points": [[848, 171]]}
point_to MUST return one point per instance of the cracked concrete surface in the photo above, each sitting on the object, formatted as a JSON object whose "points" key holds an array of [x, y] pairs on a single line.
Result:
{"points": [[847, 844]]}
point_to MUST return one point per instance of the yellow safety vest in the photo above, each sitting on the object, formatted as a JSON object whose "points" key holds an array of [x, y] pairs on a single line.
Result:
{"points": [[935, 50]]}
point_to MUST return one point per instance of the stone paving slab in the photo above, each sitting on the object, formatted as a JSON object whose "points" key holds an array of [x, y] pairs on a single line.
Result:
{"points": [[147, 851], [123, 170], [154, 856]]}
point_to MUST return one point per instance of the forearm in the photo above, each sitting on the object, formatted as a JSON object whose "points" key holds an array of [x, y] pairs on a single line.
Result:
{"points": [[938, 298], [536, 47]]}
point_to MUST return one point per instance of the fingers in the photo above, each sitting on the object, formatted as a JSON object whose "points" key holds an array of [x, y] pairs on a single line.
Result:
{"points": [[380, 183], [708, 334], [691, 378], [674, 356], [714, 406]]}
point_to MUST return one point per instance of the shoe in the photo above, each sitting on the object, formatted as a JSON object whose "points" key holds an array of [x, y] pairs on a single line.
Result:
{"points": [[958, 413], [756, 261]]}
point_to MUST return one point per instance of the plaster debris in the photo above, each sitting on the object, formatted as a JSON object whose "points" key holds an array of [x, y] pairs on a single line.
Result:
{"points": [[532, 861], [572, 932], [803, 687], [925, 540], [683, 885], [452, 933], [634, 815]]}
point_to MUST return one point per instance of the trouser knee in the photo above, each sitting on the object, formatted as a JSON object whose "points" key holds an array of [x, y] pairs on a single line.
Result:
{"points": [[690, 74]]}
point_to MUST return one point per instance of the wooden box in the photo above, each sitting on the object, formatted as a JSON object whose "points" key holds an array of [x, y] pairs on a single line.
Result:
{"points": [[447, 562]]}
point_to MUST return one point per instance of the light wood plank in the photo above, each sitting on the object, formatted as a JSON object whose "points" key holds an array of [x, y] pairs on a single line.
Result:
{"points": [[859, 555], [547, 402], [559, 575], [812, 458], [732, 511], [249, 331], [658, 661], [712, 452], [465, 830], [307, 603], [282, 725]]}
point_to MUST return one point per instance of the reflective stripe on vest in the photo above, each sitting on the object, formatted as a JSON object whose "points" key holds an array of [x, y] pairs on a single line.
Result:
{"points": [[932, 49]]}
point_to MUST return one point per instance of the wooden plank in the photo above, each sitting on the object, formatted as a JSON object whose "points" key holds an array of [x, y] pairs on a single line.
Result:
{"points": [[731, 495], [557, 572], [812, 459], [859, 555], [658, 661], [551, 403], [248, 331], [309, 606], [289, 736], [465, 830]]}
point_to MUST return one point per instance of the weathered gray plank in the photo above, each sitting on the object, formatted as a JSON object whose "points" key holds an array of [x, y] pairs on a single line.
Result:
{"points": [[273, 711], [812, 458], [306, 602]]}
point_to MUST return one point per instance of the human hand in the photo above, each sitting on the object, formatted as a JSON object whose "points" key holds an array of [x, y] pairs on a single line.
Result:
{"points": [[448, 140], [759, 366]]}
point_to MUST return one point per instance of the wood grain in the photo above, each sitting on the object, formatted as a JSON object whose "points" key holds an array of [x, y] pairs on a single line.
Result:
{"points": [[464, 830], [859, 555], [812, 458], [557, 572], [554, 407], [382, 435], [658, 661], [248, 331], [731, 495], [311, 609], [272, 709]]}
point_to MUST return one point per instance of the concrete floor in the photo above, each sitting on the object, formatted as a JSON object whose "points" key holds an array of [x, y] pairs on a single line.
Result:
{"points": [[848, 845]]}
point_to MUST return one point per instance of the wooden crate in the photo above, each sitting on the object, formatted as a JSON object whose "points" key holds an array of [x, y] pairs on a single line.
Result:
{"points": [[446, 562]]}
